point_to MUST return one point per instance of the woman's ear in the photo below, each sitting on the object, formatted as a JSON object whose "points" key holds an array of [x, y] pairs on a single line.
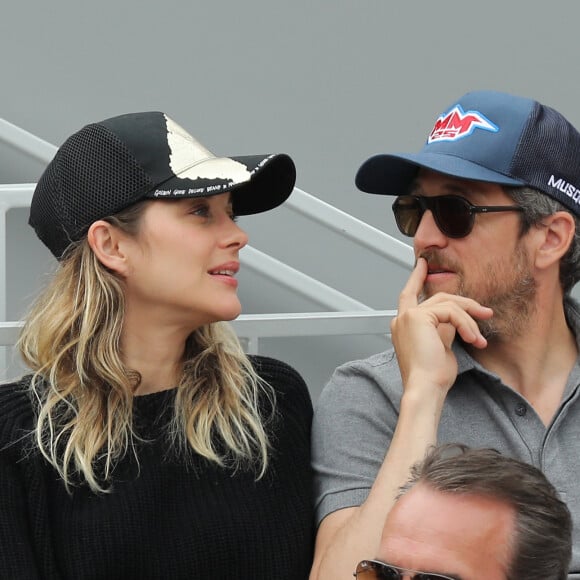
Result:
{"points": [[558, 234], [106, 241]]}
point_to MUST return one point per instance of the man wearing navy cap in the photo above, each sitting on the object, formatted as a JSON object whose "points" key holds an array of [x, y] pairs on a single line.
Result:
{"points": [[486, 337]]}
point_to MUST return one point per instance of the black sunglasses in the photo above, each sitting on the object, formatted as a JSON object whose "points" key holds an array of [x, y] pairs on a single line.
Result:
{"points": [[375, 570], [453, 214]]}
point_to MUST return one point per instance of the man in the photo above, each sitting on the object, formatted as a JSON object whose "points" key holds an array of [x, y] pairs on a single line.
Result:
{"points": [[474, 514], [485, 349]]}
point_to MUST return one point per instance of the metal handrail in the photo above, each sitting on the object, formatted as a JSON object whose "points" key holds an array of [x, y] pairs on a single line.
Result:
{"points": [[350, 227], [26, 141], [13, 195], [292, 324]]}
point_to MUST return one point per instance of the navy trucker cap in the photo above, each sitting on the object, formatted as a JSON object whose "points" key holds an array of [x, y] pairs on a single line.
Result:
{"points": [[494, 137]]}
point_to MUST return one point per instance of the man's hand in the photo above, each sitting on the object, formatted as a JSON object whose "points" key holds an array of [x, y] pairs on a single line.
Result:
{"points": [[423, 333]]}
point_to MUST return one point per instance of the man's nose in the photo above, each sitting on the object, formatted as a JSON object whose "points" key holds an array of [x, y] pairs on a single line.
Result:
{"points": [[428, 233]]}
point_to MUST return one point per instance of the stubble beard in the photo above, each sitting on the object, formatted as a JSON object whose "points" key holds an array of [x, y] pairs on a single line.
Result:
{"points": [[507, 287]]}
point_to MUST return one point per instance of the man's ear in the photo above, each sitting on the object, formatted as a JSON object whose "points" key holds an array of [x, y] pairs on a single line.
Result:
{"points": [[106, 241], [557, 235]]}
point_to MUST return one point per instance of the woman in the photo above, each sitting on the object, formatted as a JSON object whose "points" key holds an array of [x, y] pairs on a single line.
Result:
{"points": [[146, 444]]}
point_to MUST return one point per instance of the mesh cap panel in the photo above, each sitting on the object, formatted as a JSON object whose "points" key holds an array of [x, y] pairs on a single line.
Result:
{"points": [[549, 151], [93, 175]]}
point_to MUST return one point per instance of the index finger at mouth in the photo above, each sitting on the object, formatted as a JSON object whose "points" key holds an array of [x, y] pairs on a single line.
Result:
{"points": [[409, 296]]}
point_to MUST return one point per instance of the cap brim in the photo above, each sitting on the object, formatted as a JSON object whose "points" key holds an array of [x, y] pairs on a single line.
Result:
{"points": [[258, 182], [393, 174], [270, 185]]}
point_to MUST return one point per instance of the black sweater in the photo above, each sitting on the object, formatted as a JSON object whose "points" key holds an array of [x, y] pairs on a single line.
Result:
{"points": [[170, 519]]}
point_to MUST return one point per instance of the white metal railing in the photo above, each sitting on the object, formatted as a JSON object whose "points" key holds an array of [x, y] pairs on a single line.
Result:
{"points": [[26, 142], [298, 282], [252, 327], [350, 227]]}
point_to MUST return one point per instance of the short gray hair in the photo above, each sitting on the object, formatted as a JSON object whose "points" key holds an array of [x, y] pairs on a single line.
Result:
{"points": [[537, 205], [542, 546]]}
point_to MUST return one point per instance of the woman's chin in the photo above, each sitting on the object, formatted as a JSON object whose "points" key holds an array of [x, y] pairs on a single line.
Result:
{"points": [[228, 314]]}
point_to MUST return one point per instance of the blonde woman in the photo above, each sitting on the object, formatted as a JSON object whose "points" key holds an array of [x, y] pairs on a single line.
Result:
{"points": [[145, 444]]}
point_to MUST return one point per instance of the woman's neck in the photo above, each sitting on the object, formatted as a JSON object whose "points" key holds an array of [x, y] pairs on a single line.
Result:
{"points": [[156, 354]]}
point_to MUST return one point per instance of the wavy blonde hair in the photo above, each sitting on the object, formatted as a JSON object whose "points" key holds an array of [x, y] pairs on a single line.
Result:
{"points": [[71, 341]]}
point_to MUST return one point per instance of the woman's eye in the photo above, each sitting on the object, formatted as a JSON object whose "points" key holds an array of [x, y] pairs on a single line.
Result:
{"points": [[202, 211], [206, 211]]}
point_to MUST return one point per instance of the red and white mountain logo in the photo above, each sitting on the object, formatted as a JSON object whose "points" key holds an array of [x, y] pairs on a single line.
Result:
{"points": [[456, 124]]}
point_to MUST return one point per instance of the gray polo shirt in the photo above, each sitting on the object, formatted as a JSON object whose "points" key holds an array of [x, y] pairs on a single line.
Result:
{"points": [[358, 409]]}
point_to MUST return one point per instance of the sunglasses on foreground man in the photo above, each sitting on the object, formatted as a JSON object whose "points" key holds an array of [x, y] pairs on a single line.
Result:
{"points": [[485, 348]]}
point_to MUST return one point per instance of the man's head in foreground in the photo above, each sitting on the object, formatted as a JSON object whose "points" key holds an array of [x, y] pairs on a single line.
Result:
{"points": [[474, 514]]}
